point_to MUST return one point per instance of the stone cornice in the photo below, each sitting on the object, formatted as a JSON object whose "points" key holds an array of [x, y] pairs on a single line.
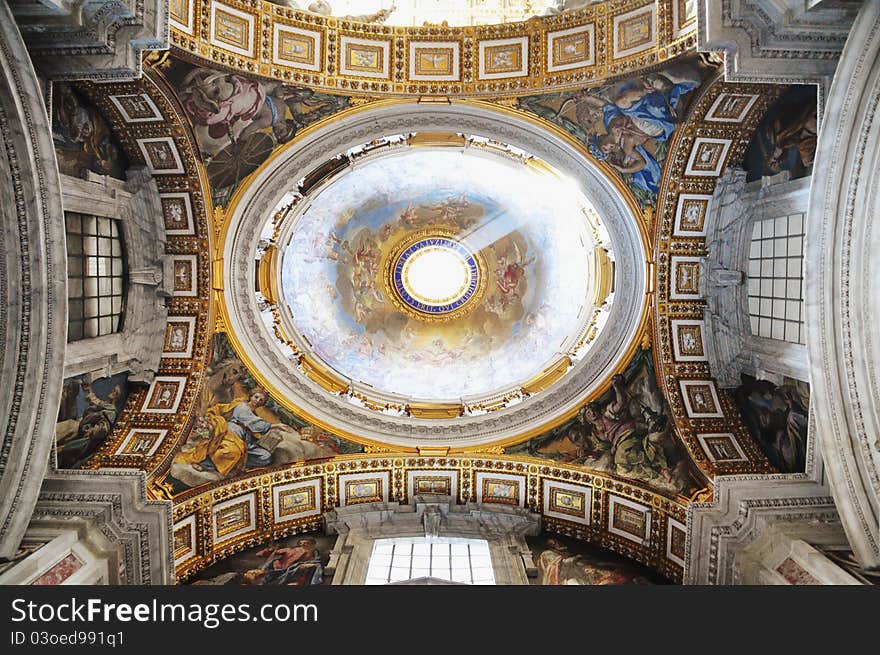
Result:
{"points": [[764, 43], [33, 294], [94, 40], [114, 502]]}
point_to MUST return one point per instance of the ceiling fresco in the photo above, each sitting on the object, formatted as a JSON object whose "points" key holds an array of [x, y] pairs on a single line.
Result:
{"points": [[238, 427], [647, 443], [777, 418], [627, 431], [786, 136], [628, 123], [239, 120], [84, 141], [565, 561], [296, 561], [531, 288], [331, 236], [89, 409]]}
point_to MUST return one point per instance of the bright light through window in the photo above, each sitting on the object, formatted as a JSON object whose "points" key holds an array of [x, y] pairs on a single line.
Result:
{"points": [[454, 559], [436, 275], [454, 12]]}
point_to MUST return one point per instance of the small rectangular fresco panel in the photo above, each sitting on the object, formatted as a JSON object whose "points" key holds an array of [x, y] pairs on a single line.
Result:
{"points": [[294, 561], [628, 124], [627, 431], [239, 427], [86, 417], [786, 137], [777, 419], [83, 140], [238, 121], [564, 561]]}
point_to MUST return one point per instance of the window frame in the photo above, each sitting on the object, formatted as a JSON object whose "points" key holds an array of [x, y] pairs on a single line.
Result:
{"points": [[95, 242]]}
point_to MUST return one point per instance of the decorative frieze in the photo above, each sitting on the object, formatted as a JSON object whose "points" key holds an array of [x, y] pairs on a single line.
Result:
{"points": [[565, 50]]}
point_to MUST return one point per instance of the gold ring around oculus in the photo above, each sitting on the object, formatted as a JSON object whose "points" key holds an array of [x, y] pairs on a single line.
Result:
{"points": [[432, 276]]}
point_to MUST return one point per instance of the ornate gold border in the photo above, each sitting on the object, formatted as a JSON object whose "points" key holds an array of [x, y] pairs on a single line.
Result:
{"points": [[601, 488], [668, 245], [391, 290], [659, 245], [194, 182], [671, 40]]}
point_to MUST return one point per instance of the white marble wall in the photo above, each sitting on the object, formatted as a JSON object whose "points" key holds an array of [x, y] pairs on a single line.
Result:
{"points": [[33, 299], [731, 347], [842, 287]]}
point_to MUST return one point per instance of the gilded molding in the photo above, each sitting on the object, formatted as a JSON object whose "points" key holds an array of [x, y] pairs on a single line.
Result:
{"points": [[568, 50], [191, 249], [194, 512], [679, 179]]}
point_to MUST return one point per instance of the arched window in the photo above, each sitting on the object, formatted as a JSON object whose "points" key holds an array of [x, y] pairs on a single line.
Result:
{"points": [[452, 559], [431, 541], [95, 276]]}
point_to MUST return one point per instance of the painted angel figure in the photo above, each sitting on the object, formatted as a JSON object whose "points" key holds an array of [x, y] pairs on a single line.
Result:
{"points": [[624, 148], [452, 209], [511, 271]]}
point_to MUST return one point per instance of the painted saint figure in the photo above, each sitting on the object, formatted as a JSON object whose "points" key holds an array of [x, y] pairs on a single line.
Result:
{"points": [[558, 565], [627, 124], [234, 442], [626, 431]]}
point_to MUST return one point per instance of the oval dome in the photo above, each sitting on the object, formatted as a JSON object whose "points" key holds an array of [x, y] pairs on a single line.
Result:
{"points": [[440, 273], [433, 275]]}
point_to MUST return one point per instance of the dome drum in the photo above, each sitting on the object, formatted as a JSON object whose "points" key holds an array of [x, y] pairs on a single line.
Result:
{"points": [[409, 279]]}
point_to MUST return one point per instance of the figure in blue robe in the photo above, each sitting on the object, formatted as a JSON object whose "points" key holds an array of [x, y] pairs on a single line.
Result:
{"points": [[655, 113]]}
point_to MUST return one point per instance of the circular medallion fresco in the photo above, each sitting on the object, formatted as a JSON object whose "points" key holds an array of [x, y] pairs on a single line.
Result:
{"points": [[438, 274]]}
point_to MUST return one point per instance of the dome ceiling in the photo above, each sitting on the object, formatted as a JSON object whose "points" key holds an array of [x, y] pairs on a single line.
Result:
{"points": [[438, 274], [338, 137], [434, 287]]}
